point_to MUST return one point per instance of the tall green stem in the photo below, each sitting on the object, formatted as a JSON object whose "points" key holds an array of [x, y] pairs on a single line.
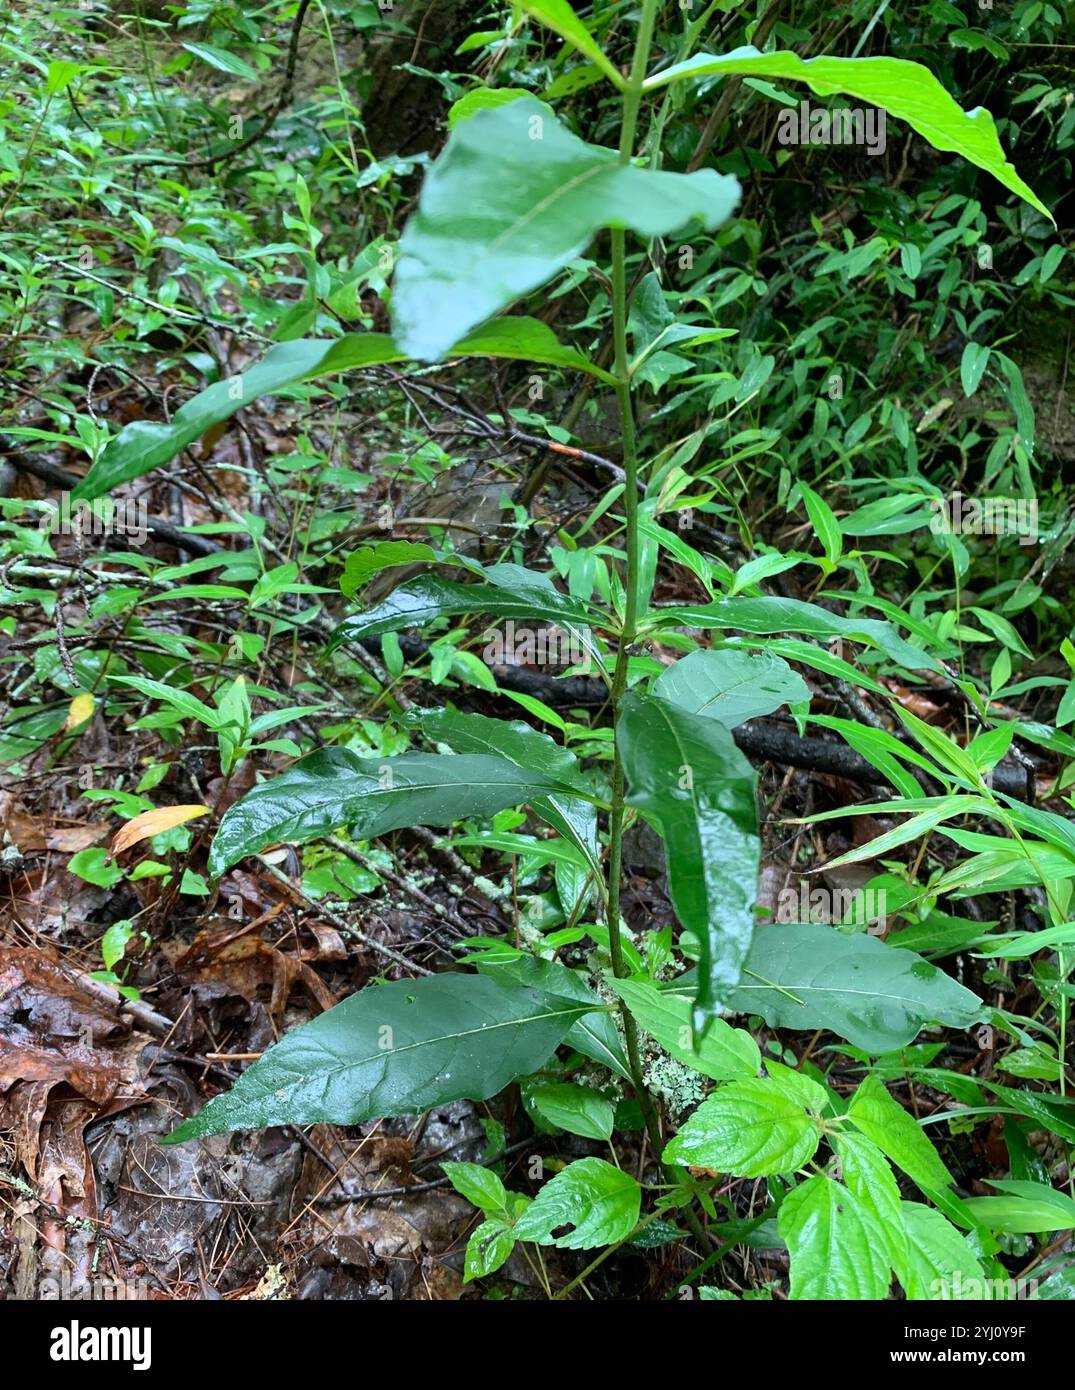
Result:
{"points": [[631, 102]]}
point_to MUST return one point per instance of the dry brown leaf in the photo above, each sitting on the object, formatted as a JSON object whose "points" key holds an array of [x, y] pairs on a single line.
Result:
{"points": [[153, 822]]}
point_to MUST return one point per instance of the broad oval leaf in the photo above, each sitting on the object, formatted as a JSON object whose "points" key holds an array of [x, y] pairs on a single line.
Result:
{"points": [[908, 90], [749, 1129], [836, 1245], [696, 788], [807, 976], [731, 685], [335, 787], [578, 1109], [513, 198], [600, 1202], [394, 1049]]}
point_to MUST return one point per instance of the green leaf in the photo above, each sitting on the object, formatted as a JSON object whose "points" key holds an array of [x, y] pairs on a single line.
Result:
{"points": [[731, 685], [723, 1053], [822, 519], [867, 1175], [527, 747], [222, 60], [578, 1109], [750, 1129], [558, 16], [696, 789], [768, 616], [807, 976], [599, 1201], [422, 601], [972, 367], [478, 1185], [144, 445], [513, 198], [487, 1249], [334, 787], [91, 866], [114, 942], [481, 99], [875, 1114], [1027, 1208], [836, 1246], [908, 91], [939, 1262], [594, 1035], [395, 1049]]}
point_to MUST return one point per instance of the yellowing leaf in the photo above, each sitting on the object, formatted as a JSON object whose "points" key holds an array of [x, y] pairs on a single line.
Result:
{"points": [[82, 706], [153, 823]]}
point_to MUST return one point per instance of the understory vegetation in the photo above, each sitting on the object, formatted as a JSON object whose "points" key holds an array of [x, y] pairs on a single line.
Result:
{"points": [[538, 746]]}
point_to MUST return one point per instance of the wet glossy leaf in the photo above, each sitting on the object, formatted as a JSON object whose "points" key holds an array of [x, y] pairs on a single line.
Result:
{"points": [[1027, 1208], [885, 1122], [696, 789], [750, 1129], [723, 1053], [529, 748], [394, 1049], [731, 685], [939, 1261], [836, 1246], [806, 976], [594, 1035], [514, 197], [578, 1109], [335, 787], [599, 1201]]}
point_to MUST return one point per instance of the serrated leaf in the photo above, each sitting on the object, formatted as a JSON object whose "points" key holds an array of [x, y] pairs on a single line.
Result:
{"points": [[697, 790], [599, 1201], [513, 198], [885, 1122], [730, 685], [907, 90], [334, 787], [394, 1049], [750, 1129], [723, 1053], [939, 1262], [867, 1174], [807, 976], [836, 1246]]}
